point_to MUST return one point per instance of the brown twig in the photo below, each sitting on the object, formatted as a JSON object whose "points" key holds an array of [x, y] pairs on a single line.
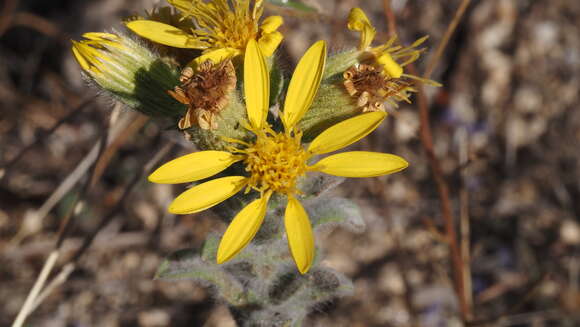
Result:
{"points": [[68, 218], [39, 292], [120, 203], [73, 178], [443, 190], [110, 151], [400, 256], [7, 15], [6, 168], [391, 19], [426, 137], [446, 37], [117, 130], [40, 24], [464, 217]]}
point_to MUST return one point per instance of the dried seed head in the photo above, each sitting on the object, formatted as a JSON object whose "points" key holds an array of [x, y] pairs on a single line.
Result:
{"points": [[186, 75], [206, 92], [372, 88]]}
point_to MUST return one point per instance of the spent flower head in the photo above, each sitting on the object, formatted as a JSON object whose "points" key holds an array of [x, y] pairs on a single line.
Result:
{"points": [[206, 91], [275, 160], [223, 28], [382, 76]]}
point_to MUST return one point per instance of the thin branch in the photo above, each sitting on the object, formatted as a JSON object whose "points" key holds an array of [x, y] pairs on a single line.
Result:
{"points": [[68, 218], [442, 186], [446, 37], [36, 297], [119, 205], [104, 158], [444, 197], [6, 168], [464, 218], [41, 25], [114, 146], [7, 15], [391, 19], [72, 179]]}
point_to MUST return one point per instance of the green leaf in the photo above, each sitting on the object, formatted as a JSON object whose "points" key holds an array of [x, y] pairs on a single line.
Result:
{"points": [[316, 184], [276, 83], [187, 264], [328, 212]]}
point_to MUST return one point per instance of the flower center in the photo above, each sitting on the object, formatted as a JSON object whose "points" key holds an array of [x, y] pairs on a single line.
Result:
{"points": [[372, 88], [235, 32], [225, 24], [275, 161]]}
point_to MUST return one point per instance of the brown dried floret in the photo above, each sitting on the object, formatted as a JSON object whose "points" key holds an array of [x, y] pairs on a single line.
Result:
{"points": [[206, 92], [372, 88]]}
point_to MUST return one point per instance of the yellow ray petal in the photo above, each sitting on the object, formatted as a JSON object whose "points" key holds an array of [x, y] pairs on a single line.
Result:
{"points": [[271, 24], [165, 34], [242, 229], [390, 66], [346, 132], [304, 84], [358, 21], [185, 6], [89, 57], [269, 42], [299, 232], [97, 36], [256, 85], [360, 164], [216, 56], [193, 167], [206, 195], [83, 62]]}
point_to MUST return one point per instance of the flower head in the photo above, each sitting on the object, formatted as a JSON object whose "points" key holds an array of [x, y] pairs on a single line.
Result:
{"points": [[384, 77], [274, 161], [128, 71], [386, 55], [206, 92], [372, 88], [223, 28]]}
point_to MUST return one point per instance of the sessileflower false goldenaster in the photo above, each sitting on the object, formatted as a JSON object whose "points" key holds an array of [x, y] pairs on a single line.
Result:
{"points": [[386, 55], [382, 77], [223, 28], [275, 160]]}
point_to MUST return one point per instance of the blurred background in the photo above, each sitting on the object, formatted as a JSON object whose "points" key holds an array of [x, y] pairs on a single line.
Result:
{"points": [[506, 129]]}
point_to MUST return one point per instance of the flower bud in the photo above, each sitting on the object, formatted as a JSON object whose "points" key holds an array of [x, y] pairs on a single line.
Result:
{"points": [[129, 72]]}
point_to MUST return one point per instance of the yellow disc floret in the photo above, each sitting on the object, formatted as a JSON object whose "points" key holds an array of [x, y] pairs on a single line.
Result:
{"points": [[275, 161]]}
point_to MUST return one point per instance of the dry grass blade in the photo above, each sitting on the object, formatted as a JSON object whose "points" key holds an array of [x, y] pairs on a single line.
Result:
{"points": [[115, 145], [6, 168], [72, 179], [38, 285], [39, 292], [119, 205]]}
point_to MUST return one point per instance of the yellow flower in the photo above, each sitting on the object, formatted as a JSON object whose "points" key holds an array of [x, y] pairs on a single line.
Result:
{"points": [[386, 55], [274, 160], [223, 28]]}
